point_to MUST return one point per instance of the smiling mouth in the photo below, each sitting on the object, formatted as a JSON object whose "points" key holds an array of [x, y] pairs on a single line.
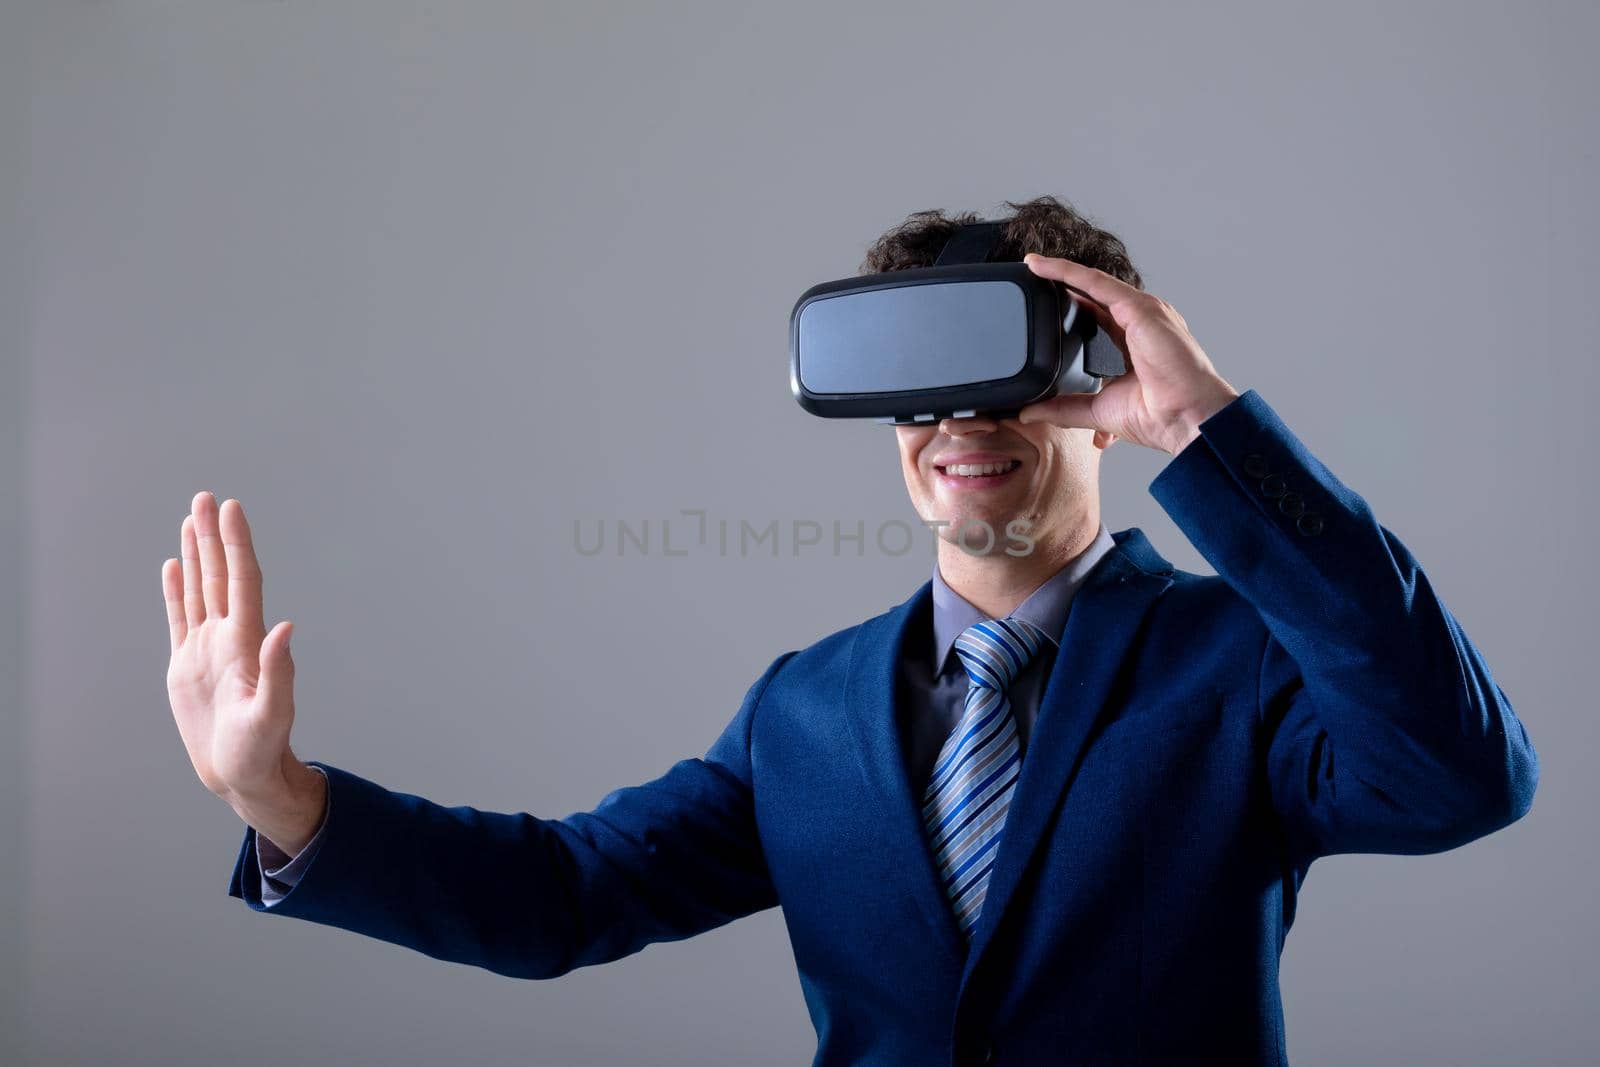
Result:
{"points": [[979, 470]]}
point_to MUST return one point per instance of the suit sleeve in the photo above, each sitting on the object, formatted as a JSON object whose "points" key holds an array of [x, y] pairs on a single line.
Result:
{"points": [[1384, 730], [530, 897]]}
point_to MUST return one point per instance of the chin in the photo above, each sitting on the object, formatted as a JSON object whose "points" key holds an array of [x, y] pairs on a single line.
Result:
{"points": [[971, 522]]}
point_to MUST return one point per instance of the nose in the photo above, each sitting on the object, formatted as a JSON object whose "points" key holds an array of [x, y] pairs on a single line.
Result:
{"points": [[968, 425]]}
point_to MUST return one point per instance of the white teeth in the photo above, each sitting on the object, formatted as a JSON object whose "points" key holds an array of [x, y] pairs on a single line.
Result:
{"points": [[970, 470]]}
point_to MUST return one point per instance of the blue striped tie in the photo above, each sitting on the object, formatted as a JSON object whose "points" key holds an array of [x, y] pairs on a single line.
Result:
{"points": [[965, 805]]}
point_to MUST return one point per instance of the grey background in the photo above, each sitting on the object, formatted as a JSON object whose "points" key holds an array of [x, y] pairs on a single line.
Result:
{"points": [[423, 284]]}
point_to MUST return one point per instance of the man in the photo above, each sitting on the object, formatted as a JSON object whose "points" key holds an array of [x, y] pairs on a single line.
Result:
{"points": [[1055, 807]]}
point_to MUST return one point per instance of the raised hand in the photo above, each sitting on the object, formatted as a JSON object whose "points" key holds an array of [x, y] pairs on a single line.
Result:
{"points": [[231, 684], [1171, 385]]}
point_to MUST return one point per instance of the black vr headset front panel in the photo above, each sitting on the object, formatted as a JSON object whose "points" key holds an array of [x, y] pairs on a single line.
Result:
{"points": [[919, 342], [958, 338]]}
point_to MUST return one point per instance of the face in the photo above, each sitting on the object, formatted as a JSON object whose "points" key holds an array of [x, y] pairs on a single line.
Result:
{"points": [[980, 474]]}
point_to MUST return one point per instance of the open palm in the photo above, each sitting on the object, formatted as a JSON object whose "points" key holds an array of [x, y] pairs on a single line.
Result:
{"points": [[230, 683]]}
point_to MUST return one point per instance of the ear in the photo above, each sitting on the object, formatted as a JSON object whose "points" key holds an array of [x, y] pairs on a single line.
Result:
{"points": [[1103, 439]]}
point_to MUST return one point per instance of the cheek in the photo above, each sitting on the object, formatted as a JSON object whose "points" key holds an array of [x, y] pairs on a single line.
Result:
{"points": [[911, 446], [1049, 473], [920, 482], [1063, 465]]}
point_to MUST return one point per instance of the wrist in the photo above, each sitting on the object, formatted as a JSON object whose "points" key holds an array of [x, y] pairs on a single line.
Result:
{"points": [[1212, 400], [1187, 432], [290, 815]]}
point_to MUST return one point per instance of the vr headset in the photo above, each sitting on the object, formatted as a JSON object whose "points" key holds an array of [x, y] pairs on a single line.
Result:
{"points": [[962, 337]]}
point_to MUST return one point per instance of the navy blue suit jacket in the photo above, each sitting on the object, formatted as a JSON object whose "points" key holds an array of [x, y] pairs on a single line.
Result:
{"points": [[1201, 740]]}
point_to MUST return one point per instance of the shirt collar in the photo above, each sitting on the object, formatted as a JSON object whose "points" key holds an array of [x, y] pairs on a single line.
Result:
{"points": [[1046, 607]]}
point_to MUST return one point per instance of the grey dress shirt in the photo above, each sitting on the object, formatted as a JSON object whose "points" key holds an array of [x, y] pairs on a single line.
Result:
{"points": [[932, 689]]}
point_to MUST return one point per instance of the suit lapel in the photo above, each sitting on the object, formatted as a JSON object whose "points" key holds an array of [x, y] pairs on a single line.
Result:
{"points": [[871, 704], [1105, 615]]}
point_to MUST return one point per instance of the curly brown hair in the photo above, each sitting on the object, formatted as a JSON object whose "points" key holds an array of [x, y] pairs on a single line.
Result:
{"points": [[1044, 225]]}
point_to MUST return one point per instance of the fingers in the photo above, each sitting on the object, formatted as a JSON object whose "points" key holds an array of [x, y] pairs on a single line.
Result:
{"points": [[244, 573], [172, 593], [1120, 299], [194, 605], [213, 564], [218, 569], [1106, 288]]}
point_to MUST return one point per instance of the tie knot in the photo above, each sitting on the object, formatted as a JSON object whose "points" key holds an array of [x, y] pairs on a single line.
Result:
{"points": [[995, 651]]}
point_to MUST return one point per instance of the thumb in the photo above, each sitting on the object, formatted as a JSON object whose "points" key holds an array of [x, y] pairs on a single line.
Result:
{"points": [[1069, 410], [277, 667]]}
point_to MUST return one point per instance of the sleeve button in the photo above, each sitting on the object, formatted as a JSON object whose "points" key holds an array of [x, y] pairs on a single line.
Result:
{"points": [[1273, 486], [1291, 504], [1309, 524], [1255, 465]]}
